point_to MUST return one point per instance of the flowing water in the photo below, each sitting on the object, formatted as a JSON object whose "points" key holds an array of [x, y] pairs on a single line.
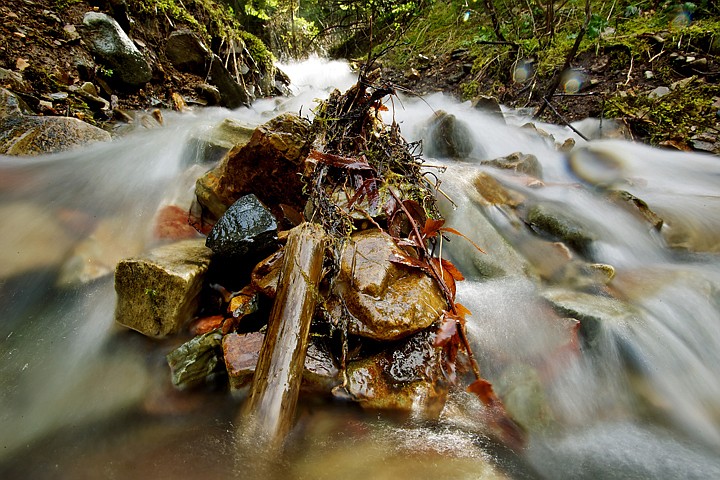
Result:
{"points": [[639, 397]]}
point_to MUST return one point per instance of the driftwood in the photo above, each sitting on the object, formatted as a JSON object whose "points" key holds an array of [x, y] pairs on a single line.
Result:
{"points": [[269, 412]]}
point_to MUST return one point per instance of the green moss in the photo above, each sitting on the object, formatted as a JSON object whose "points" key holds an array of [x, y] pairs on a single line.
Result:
{"points": [[676, 116]]}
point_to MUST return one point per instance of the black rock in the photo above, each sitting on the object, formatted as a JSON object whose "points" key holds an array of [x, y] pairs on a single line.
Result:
{"points": [[247, 227]]}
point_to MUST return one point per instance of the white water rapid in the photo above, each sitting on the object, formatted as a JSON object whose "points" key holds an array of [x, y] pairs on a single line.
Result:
{"points": [[638, 396]]}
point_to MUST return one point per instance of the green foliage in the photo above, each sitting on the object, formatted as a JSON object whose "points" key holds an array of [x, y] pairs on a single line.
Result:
{"points": [[675, 116]]}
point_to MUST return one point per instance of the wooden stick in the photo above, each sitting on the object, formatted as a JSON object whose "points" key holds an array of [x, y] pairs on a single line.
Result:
{"points": [[269, 412]]}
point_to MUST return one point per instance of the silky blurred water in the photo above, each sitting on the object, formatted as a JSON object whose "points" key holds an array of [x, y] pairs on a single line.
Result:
{"points": [[82, 398]]}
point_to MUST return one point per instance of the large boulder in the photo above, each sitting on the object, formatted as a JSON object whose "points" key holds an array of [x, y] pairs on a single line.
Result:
{"points": [[269, 166], [381, 299], [157, 294], [187, 52], [114, 49], [232, 94], [24, 134]]}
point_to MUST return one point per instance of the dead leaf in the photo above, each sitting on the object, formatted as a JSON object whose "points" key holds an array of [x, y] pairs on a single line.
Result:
{"points": [[21, 64]]}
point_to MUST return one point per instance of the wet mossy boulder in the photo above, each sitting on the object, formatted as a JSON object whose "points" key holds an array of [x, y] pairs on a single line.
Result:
{"points": [[548, 220], [110, 44]]}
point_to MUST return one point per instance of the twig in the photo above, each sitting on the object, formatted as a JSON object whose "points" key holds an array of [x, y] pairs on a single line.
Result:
{"points": [[571, 55], [629, 70], [567, 124]]}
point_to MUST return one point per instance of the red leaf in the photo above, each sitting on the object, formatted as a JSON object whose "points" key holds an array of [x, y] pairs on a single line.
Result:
{"points": [[408, 261], [446, 331], [461, 311], [448, 266], [447, 277], [509, 431], [432, 227]]}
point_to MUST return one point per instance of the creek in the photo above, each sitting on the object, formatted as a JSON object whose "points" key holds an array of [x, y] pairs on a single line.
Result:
{"points": [[82, 398]]}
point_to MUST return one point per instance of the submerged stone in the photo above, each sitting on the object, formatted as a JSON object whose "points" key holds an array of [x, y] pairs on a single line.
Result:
{"points": [[595, 313], [384, 300], [548, 220], [194, 362], [448, 137], [247, 227], [157, 294], [518, 162]]}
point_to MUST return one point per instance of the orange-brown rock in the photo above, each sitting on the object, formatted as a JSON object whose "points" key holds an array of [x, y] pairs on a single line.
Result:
{"points": [[384, 300], [269, 166]]}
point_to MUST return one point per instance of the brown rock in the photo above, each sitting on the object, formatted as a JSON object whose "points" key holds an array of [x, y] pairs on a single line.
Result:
{"points": [[384, 301], [268, 166], [404, 378], [520, 163], [241, 352]]}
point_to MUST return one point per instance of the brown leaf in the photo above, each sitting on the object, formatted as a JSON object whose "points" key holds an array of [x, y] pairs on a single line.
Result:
{"points": [[432, 227], [21, 64], [446, 331], [293, 216]]}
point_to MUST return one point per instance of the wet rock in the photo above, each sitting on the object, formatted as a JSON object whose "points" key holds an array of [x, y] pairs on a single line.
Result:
{"points": [[12, 80], [241, 352], [232, 94], [25, 134], [268, 166], [209, 93], [247, 227], [595, 313], [157, 293], [109, 43], [321, 372], [636, 206], [187, 52], [527, 164], [548, 220], [384, 301], [405, 378], [493, 192], [489, 105], [266, 274], [212, 145], [446, 136], [195, 362]]}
